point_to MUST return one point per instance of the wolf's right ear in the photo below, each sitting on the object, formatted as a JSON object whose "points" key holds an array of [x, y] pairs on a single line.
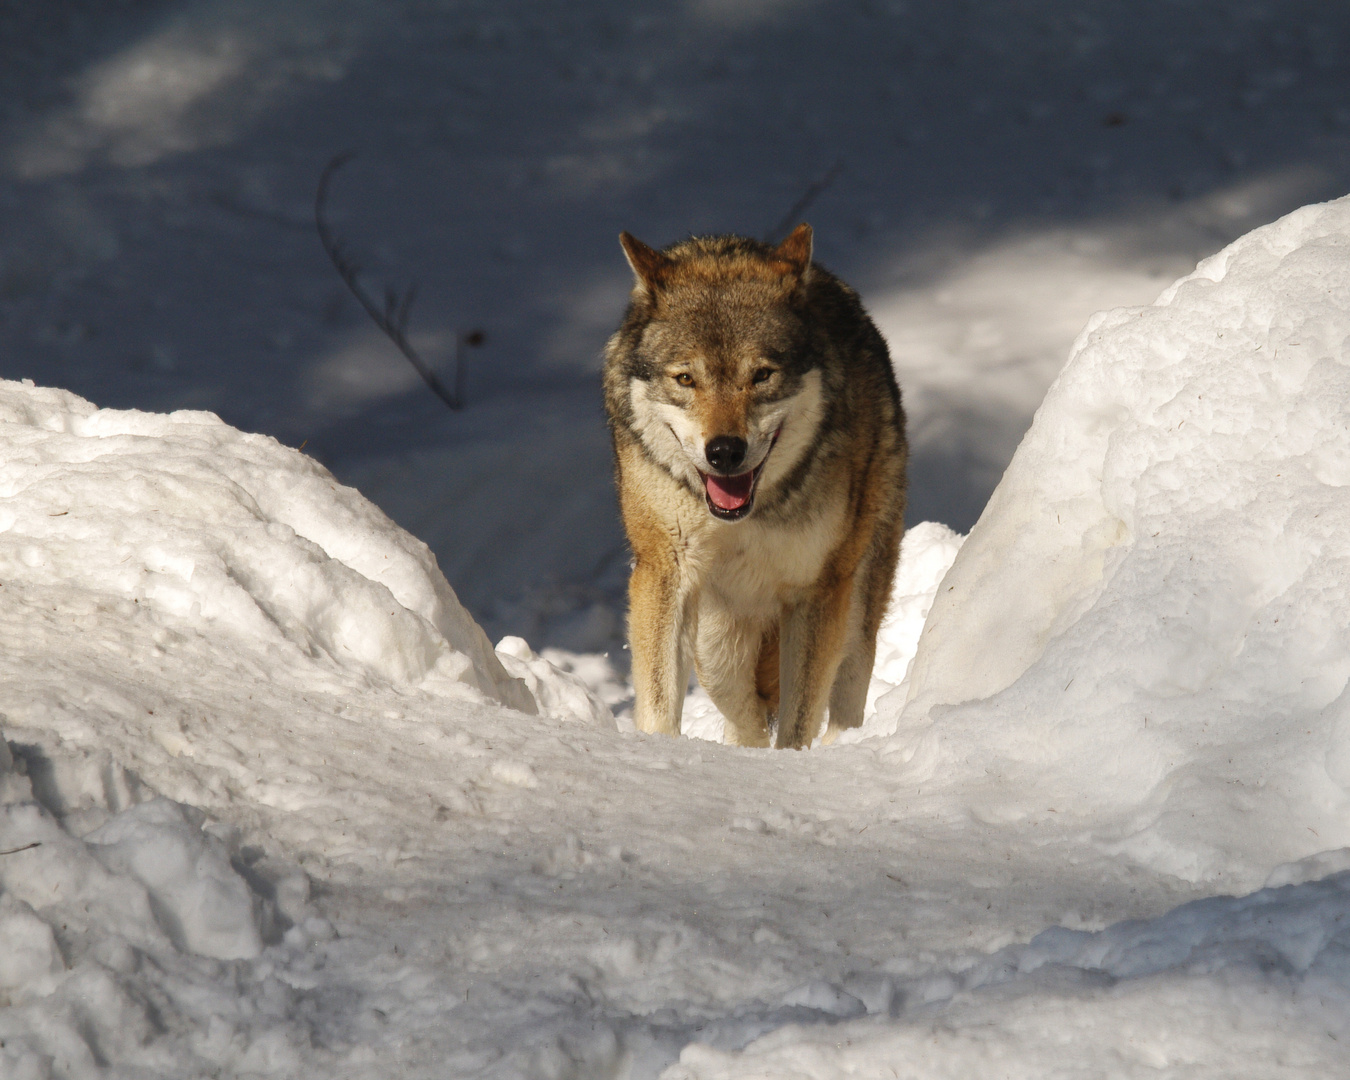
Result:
{"points": [[650, 266], [796, 251]]}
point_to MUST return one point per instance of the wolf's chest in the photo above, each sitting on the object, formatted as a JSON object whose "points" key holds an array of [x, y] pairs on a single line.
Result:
{"points": [[755, 569]]}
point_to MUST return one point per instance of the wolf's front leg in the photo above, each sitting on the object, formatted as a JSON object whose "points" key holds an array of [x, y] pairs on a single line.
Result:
{"points": [[813, 634], [660, 611], [728, 653]]}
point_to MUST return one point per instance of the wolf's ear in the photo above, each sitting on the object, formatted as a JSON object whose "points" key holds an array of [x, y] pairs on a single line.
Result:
{"points": [[796, 250], [650, 266]]}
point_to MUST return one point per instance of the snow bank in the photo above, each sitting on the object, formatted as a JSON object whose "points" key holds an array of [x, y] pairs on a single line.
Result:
{"points": [[198, 520], [1151, 614], [188, 517], [176, 598]]}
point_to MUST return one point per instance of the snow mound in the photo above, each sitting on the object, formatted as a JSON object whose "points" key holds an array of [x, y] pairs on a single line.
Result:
{"points": [[1150, 615], [201, 903], [203, 522], [108, 950], [177, 598], [558, 693]]}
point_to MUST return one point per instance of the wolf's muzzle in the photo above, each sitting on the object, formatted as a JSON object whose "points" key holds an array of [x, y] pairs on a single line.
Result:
{"points": [[731, 498]]}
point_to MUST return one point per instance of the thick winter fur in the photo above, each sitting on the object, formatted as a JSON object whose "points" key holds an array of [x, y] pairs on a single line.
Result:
{"points": [[760, 456]]}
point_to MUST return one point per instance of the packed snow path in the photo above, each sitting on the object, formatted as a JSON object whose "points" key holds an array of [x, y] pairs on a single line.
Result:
{"points": [[273, 806]]}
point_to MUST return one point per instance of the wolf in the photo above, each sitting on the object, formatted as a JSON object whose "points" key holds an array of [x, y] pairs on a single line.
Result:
{"points": [[759, 447]]}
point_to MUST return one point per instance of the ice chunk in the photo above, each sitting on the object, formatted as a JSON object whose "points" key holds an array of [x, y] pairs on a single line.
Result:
{"points": [[559, 694], [29, 957], [199, 900]]}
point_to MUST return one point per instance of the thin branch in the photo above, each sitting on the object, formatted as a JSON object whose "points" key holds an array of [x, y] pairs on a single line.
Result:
{"points": [[792, 218], [393, 320], [238, 206], [25, 847]]}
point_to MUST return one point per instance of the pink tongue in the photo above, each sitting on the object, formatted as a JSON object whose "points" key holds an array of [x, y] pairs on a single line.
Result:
{"points": [[729, 492]]}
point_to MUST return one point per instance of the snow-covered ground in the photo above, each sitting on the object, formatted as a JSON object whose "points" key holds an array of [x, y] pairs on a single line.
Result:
{"points": [[287, 823], [273, 806]]}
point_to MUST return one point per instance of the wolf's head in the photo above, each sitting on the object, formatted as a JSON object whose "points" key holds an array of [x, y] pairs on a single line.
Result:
{"points": [[712, 369]]}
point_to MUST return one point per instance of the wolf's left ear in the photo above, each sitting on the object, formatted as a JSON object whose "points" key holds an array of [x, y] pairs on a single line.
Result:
{"points": [[650, 266], [796, 250]]}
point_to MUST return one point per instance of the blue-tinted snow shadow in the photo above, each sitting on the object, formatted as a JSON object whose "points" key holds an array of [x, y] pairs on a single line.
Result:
{"points": [[1279, 943], [161, 162]]}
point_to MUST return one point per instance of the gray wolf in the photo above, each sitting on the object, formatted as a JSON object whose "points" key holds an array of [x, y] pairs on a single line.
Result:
{"points": [[760, 453]]}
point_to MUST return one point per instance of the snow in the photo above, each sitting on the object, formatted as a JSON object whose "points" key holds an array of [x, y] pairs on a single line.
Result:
{"points": [[233, 532], [271, 805], [1143, 643], [1227, 986], [1160, 580], [285, 825], [198, 899]]}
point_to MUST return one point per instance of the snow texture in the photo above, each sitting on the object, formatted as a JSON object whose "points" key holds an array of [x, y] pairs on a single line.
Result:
{"points": [[270, 805], [1158, 588], [203, 521]]}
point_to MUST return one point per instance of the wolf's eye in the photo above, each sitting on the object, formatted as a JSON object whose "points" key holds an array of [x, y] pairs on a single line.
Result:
{"points": [[684, 379], [764, 374]]}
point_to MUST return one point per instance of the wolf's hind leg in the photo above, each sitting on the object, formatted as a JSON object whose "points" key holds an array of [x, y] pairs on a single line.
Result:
{"points": [[812, 644], [729, 658], [871, 594], [849, 693]]}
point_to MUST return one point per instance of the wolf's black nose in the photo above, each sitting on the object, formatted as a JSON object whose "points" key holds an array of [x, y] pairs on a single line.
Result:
{"points": [[725, 453]]}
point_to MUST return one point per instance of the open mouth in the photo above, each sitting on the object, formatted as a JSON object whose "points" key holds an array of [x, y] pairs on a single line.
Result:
{"points": [[732, 497]]}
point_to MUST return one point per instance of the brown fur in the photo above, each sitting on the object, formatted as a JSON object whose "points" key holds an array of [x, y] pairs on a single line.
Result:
{"points": [[752, 365]]}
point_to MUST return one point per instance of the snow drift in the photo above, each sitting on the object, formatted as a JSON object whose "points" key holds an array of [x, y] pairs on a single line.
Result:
{"points": [[172, 593], [193, 518], [198, 521], [1152, 611]]}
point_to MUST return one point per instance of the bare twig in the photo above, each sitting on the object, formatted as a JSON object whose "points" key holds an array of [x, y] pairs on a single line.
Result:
{"points": [[25, 847], [792, 218], [238, 206], [393, 319]]}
